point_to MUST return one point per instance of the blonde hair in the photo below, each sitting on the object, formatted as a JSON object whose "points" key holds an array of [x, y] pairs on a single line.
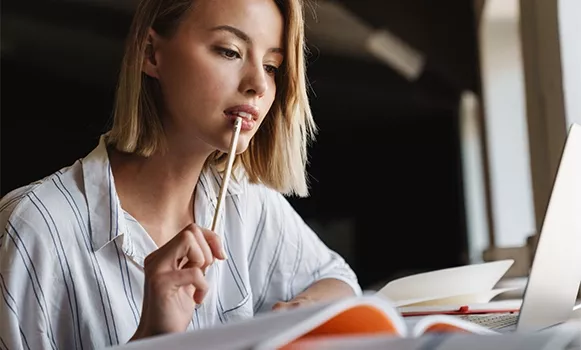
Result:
{"points": [[277, 154]]}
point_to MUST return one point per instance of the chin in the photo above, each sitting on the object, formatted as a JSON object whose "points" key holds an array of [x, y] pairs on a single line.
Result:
{"points": [[242, 145]]}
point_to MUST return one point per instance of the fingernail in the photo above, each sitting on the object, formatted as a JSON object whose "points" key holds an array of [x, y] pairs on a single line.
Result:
{"points": [[209, 265], [224, 254]]}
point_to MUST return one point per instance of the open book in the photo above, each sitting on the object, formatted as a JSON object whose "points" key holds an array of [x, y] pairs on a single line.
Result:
{"points": [[286, 329], [462, 285], [376, 320], [566, 336]]}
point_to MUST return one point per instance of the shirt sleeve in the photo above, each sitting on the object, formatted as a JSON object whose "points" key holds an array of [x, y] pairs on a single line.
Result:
{"points": [[289, 256], [28, 289]]}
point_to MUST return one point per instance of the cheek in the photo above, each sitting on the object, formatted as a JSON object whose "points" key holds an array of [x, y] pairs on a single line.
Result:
{"points": [[195, 81], [212, 83], [215, 84], [176, 81], [268, 99]]}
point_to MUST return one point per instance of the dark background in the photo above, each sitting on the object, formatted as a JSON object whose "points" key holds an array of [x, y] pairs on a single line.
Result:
{"points": [[387, 156]]}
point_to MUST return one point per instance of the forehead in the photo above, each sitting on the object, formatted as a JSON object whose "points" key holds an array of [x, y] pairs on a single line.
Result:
{"points": [[261, 20]]}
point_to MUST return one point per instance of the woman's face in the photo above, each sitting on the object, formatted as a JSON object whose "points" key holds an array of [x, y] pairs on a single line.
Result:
{"points": [[220, 63]]}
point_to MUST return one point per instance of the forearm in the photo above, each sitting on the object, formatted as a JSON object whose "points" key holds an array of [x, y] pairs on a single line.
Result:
{"points": [[326, 290]]}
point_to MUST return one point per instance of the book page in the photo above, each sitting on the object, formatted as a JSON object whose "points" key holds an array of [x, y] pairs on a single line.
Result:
{"points": [[357, 315], [239, 335], [367, 342], [493, 306], [456, 281], [561, 337], [354, 316], [461, 299], [445, 324], [564, 337]]}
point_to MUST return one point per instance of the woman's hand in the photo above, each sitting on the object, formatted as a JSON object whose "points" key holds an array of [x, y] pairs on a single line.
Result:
{"points": [[294, 303], [325, 290], [175, 281]]}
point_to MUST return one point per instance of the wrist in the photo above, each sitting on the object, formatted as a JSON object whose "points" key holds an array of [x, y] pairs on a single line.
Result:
{"points": [[143, 331], [137, 335]]}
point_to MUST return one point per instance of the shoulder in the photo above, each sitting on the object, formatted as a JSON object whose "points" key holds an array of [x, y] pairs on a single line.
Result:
{"points": [[43, 203]]}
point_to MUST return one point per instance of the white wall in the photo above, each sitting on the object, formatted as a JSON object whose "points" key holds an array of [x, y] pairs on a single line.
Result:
{"points": [[570, 40], [505, 115], [474, 181]]}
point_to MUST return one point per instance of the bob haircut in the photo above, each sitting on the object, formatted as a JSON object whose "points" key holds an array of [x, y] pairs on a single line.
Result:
{"points": [[277, 154]]}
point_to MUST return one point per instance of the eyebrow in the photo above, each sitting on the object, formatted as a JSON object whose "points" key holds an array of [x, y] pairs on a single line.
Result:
{"points": [[243, 36]]}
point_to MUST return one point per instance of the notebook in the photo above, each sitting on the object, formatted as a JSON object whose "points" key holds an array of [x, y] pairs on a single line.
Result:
{"points": [[553, 282], [459, 285]]}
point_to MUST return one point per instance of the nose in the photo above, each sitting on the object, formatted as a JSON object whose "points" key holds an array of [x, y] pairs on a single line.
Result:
{"points": [[255, 81]]}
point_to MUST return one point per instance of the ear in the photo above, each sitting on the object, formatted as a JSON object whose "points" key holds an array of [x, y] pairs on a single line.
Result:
{"points": [[150, 66]]}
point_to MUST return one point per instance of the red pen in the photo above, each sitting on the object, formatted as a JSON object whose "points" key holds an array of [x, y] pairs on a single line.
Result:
{"points": [[462, 310]]}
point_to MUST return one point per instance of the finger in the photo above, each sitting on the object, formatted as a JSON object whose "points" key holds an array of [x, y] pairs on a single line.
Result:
{"points": [[182, 263], [188, 246], [198, 280], [215, 243], [286, 305], [199, 295], [205, 248], [174, 254], [283, 305], [180, 278], [186, 277], [155, 263], [279, 305]]}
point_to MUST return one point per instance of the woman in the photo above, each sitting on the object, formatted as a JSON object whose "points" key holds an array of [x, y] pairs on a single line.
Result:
{"points": [[117, 247]]}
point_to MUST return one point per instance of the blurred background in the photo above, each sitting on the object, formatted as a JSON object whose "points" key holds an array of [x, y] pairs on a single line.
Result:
{"points": [[440, 122]]}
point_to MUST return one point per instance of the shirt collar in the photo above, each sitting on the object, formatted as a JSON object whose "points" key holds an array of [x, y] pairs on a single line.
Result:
{"points": [[106, 218], [105, 214]]}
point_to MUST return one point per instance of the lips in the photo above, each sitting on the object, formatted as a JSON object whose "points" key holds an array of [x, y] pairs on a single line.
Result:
{"points": [[248, 113]]}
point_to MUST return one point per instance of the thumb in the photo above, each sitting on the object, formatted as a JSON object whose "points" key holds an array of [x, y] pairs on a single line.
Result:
{"points": [[215, 244]]}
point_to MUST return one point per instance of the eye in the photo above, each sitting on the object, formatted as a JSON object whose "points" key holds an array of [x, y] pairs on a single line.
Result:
{"points": [[270, 69], [227, 53]]}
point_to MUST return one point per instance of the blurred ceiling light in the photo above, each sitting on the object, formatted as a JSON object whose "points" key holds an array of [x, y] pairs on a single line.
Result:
{"points": [[391, 50], [502, 9], [335, 29]]}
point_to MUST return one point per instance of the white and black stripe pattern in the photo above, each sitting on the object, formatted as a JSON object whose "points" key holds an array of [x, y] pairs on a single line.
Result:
{"points": [[33, 281], [97, 273], [65, 267], [71, 259]]}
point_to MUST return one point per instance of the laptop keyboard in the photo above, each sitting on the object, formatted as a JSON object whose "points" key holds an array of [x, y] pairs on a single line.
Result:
{"points": [[492, 321]]}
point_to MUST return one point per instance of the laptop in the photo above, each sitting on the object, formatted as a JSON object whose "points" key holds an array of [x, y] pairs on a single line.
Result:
{"points": [[555, 275]]}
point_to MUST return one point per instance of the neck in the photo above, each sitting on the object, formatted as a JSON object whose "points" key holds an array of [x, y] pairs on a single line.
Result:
{"points": [[158, 191]]}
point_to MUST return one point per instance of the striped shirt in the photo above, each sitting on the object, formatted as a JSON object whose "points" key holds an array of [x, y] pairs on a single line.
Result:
{"points": [[71, 259]]}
